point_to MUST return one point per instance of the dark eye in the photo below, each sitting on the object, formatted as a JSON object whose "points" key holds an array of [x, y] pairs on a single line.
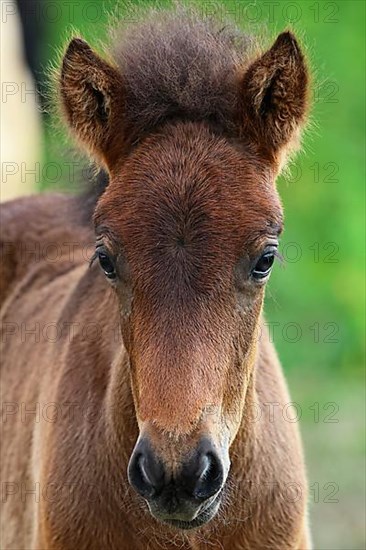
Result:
{"points": [[263, 266], [107, 265]]}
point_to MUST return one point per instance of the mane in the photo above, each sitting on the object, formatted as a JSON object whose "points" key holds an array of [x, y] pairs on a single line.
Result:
{"points": [[176, 64]]}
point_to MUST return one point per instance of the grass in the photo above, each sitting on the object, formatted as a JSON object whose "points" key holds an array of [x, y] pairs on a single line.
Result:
{"points": [[333, 430]]}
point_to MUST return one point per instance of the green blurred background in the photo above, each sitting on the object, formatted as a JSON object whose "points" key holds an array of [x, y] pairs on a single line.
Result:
{"points": [[315, 301]]}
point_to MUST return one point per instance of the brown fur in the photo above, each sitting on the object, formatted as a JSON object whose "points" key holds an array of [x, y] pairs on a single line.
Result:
{"points": [[192, 150], [176, 64]]}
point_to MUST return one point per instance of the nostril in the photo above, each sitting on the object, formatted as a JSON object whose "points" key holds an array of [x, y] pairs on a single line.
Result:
{"points": [[210, 476], [145, 473], [204, 466], [138, 478], [210, 467]]}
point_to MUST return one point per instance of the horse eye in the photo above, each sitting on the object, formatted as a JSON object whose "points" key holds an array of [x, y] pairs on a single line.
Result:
{"points": [[263, 266], [107, 265]]}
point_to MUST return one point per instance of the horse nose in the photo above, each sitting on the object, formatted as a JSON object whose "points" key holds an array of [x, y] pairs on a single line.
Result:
{"points": [[197, 479], [146, 472], [203, 475]]}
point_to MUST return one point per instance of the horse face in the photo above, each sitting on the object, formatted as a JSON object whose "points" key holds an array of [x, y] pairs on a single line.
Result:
{"points": [[186, 223], [186, 233]]}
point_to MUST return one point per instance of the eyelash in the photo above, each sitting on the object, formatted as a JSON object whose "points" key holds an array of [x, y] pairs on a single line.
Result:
{"points": [[278, 256]]}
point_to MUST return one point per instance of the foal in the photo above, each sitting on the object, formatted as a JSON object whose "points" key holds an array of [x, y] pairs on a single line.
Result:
{"points": [[177, 448]]}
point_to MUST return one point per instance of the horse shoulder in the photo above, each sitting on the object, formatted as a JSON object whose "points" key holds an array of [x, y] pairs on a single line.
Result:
{"points": [[34, 229]]}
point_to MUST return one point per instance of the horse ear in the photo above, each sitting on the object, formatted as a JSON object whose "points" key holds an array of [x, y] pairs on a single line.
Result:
{"points": [[91, 94], [275, 96]]}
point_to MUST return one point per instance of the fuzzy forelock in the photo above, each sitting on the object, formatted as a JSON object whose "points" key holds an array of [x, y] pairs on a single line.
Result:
{"points": [[176, 64]]}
